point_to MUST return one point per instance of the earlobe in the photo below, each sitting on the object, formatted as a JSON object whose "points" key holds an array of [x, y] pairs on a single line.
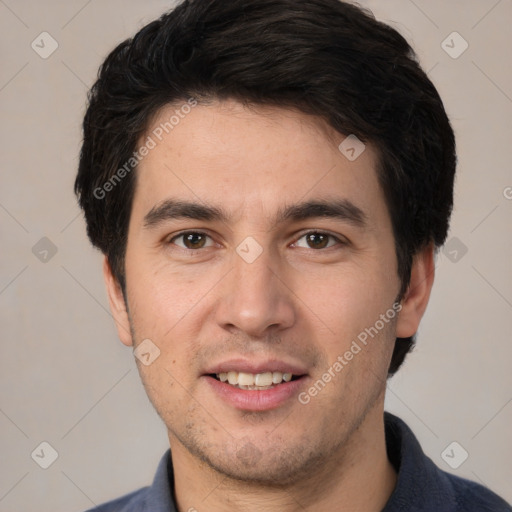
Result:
{"points": [[417, 296], [117, 305]]}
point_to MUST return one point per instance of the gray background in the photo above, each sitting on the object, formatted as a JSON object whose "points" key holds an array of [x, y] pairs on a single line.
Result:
{"points": [[67, 380]]}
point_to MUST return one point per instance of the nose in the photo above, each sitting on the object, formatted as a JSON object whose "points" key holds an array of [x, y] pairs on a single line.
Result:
{"points": [[254, 298]]}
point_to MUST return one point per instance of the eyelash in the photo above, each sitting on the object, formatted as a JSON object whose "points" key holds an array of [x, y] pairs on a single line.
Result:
{"points": [[202, 233]]}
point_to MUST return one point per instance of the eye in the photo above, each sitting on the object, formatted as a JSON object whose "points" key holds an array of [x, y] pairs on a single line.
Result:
{"points": [[191, 240], [318, 240]]}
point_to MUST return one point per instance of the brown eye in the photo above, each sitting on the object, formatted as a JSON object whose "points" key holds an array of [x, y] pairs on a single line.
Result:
{"points": [[317, 240], [191, 240]]}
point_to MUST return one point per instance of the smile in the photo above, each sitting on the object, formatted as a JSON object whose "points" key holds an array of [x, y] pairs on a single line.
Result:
{"points": [[254, 381]]}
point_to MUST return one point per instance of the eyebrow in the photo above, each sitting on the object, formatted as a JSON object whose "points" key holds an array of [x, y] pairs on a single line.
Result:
{"points": [[340, 209]]}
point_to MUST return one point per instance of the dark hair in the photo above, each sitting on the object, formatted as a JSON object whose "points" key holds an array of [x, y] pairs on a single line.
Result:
{"points": [[324, 57]]}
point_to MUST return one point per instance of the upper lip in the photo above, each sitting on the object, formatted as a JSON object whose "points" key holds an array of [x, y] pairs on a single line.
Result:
{"points": [[255, 367]]}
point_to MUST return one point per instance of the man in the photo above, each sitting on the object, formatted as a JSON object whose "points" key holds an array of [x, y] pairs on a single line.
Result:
{"points": [[269, 181]]}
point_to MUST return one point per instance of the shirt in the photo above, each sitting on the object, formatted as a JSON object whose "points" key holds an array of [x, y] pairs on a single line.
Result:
{"points": [[421, 486]]}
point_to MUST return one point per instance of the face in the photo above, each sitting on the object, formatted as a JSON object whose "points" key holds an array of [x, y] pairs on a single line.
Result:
{"points": [[255, 247]]}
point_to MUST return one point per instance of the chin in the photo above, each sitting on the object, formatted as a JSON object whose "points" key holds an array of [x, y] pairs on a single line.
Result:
{"points": [[276, 466]]}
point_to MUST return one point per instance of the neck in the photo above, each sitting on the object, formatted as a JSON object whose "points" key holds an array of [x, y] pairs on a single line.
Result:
{"points": [[358, 476]]}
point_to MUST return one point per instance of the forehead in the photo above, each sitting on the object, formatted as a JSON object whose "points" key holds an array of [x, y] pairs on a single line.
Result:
{"points": [[249, 159]]}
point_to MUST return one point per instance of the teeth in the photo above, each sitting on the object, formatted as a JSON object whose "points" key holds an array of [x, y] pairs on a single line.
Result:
{"points": [[263, 379], [277, 377], [254, 381], [245, 379]]}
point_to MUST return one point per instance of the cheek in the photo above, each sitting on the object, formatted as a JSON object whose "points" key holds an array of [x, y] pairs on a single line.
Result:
{"points": [[162, 296], [164, 387], [348, 301], [160, 310]]}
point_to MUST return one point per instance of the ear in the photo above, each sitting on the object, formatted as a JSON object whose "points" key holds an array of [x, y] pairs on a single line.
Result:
{"points": [[416, 298], [117, 305]]}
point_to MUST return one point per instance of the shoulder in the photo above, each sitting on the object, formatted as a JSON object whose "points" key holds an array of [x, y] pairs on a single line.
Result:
{"points": [[157, 497], [422, 486], [132, 502], [473, 497]]}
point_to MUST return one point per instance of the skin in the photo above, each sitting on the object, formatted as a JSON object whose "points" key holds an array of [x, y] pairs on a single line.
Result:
{"points": [[298, 302]]}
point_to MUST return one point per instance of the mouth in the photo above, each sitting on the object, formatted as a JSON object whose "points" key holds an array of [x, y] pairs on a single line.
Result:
{"points": [[250, 386], [255, 381]]}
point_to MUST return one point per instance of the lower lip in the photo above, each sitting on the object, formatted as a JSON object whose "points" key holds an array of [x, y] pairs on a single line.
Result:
{"points": [[256, 400]]}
